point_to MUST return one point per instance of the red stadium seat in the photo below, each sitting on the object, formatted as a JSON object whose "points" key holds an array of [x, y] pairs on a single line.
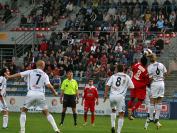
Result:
{"points": [[160, 35]]}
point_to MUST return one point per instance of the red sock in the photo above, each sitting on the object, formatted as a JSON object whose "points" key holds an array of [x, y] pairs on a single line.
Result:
{"points": [[136, 106], [92, 118], [130, 104], [85, 117]]}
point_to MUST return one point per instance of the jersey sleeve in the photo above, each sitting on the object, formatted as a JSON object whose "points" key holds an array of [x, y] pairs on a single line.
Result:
{"points": [[130, 83], [110, 81], [96, 93], [3, 84], [25, 73], [76, 85], [47, 81], [164, 69]]}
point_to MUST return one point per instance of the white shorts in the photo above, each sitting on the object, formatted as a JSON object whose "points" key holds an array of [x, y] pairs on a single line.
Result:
{"points": [[117, 102], [157, 89], [3, 105], [35, 99]]}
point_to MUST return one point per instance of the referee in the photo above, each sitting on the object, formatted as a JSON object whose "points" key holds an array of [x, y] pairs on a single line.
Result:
{"points": [[69, 96]]}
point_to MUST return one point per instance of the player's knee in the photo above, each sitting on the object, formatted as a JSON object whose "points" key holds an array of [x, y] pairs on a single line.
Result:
{"points": [[85, 112], [24, 109], [45, 112], [92, 113], [5, 112], [113, 110], [121, 114]]}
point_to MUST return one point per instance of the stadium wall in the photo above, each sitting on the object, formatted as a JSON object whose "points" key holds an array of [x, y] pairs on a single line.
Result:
{"points": [[15, 103]]}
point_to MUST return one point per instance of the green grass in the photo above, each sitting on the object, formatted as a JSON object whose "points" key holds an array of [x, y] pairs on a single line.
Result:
{"points": [[37, 123]]}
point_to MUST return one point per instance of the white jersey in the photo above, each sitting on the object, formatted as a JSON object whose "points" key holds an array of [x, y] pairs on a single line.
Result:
{"points": [[156, 71], [36, 79], [3, 83], [119, 83]]}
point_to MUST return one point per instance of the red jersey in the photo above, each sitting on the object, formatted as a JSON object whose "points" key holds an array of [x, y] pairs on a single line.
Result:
{"points": [[90, 93], [140, 76]]}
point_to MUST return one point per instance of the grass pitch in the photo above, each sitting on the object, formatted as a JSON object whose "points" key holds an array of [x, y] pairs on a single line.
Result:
{"points": [[37, 123]]}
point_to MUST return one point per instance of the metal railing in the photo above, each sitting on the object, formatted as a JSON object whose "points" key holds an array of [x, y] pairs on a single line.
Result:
{"points": [[23, 42], [6, 55]]}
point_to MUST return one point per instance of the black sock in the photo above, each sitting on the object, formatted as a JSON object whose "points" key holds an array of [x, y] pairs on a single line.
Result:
{"points": [[75, 118], [62, 117]]}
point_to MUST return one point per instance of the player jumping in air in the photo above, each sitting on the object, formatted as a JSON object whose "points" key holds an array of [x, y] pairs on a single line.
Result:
{"points": [[156, 71], [140, 80]]}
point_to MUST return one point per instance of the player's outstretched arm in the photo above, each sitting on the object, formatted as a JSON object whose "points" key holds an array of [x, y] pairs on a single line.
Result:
{"points": [[52, 89], [17, 75]]}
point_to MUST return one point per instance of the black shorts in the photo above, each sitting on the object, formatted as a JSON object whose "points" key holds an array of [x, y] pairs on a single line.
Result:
{"points": [[69, 101]]}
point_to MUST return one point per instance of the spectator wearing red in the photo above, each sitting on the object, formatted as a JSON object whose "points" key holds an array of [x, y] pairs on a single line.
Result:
{"points": [[91, 59], [104, 61], [43, 46]]}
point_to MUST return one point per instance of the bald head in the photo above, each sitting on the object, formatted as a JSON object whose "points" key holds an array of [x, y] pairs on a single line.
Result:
{"points": [[40, 64]]}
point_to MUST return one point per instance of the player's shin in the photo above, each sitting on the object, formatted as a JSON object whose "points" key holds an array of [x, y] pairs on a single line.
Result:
{"points": [[92, 118], [52, 122], [5, 121], [62, 118], [85, 117], [136, 106], [113, 119], [120, 125], [151, 112], [75, 119], [158, 109], [22, 121]]}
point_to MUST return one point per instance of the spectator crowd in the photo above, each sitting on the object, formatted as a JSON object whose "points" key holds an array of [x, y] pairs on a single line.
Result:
{"points": [[99, 36]]}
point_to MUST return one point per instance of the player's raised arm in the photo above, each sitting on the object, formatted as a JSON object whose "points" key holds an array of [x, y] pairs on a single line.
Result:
{"points": [[17, 75]]}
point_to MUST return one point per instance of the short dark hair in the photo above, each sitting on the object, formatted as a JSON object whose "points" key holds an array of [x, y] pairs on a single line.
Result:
{"points": [[3, 71], [120, 68], [68, 71], [144, 60]]}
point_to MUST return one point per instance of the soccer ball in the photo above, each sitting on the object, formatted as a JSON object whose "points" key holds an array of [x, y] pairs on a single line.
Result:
{"points": [[147, 52]]}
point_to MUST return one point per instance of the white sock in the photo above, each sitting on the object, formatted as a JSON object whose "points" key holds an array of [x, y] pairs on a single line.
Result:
{"points": [[158, 109], [22, 121], [120, 124], [52, 122], [151, 112], [113, 119], [148, 107], [5, 121]]}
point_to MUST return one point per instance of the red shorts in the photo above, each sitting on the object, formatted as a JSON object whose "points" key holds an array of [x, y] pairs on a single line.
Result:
{"points": [[139, 93], [89, 105]]}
